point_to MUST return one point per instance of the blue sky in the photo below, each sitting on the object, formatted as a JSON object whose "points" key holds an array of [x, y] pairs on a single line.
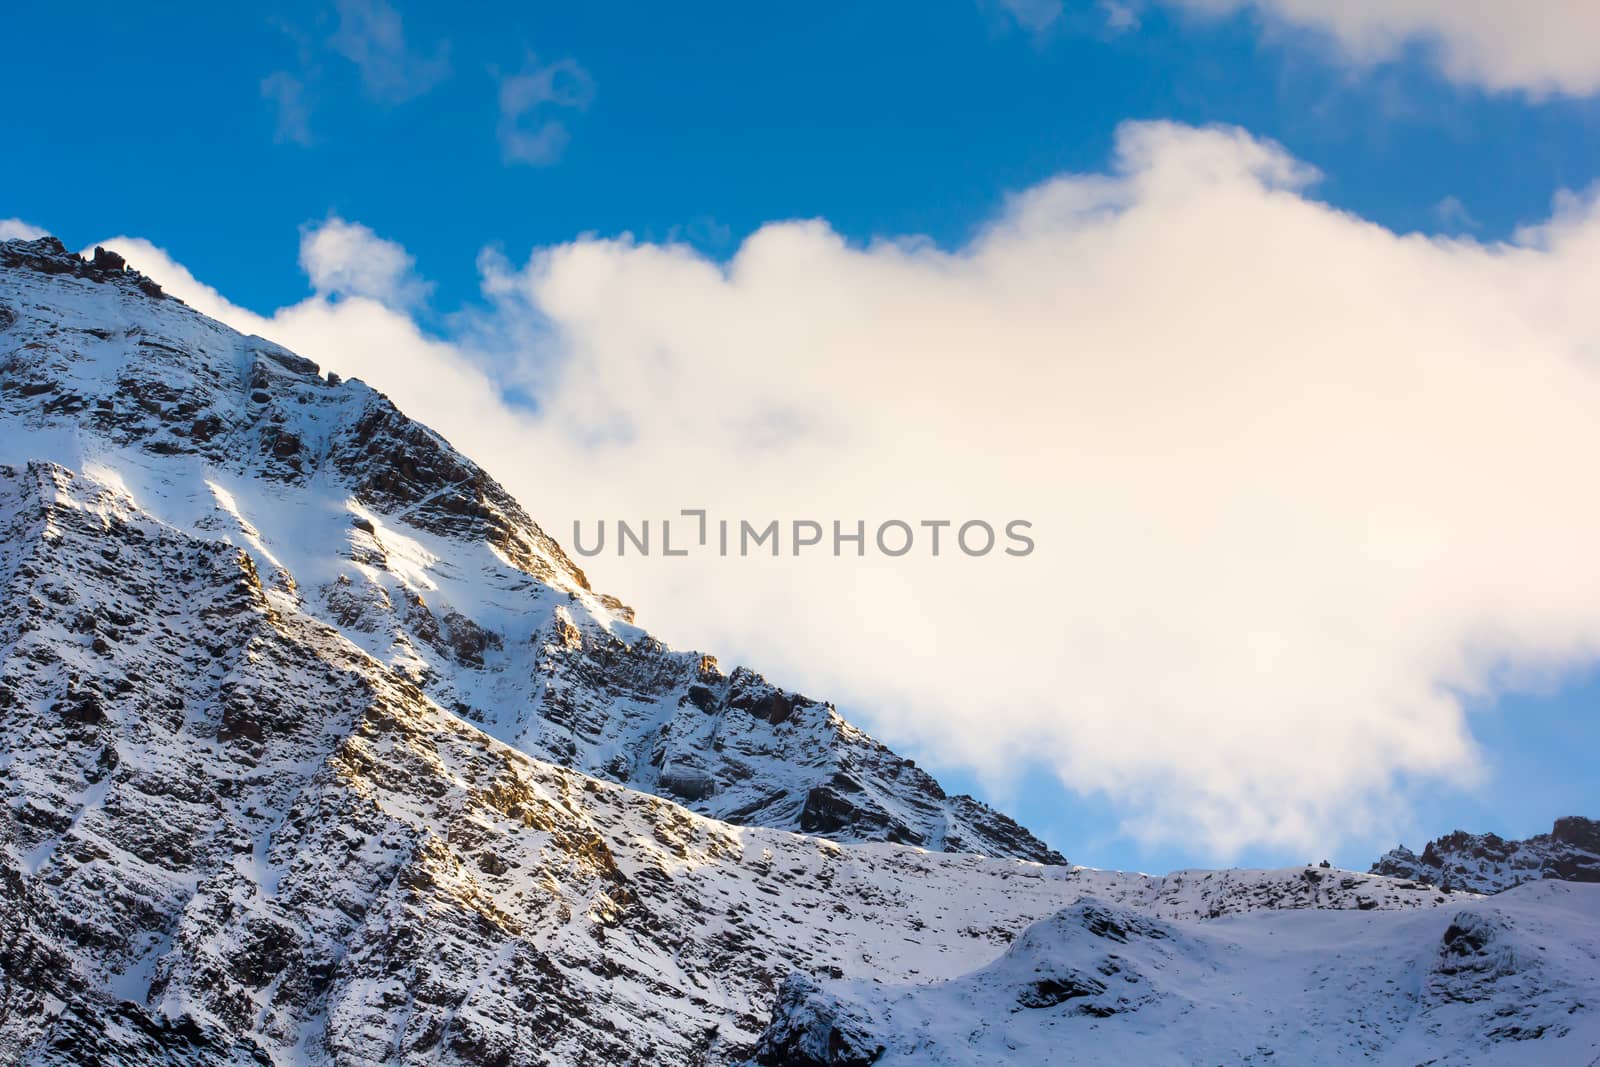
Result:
{"points": [[887, 118], [221, 132]]}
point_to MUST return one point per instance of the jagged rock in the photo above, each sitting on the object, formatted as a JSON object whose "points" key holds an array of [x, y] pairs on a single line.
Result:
{"points": [[48, 256], [107, 261], [808, 1031], [1488, 863]]}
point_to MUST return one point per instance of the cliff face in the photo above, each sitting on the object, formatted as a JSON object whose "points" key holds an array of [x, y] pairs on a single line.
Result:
{"points": [[1488, 863]]}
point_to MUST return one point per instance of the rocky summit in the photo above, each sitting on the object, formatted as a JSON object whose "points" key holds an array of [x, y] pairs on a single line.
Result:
{"points": [[318, 750]]}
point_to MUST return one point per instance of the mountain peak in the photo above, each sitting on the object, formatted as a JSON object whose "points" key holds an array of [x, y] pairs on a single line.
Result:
{"points": [[48, 255], [366, 520]]}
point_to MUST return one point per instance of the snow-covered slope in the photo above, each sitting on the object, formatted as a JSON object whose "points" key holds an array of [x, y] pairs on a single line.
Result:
{"points": [[1513, 979], [1488, 863], [231, 835], [369, 522]]}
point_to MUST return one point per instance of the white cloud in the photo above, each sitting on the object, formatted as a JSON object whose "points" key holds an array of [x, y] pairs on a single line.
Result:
{"points": [[1033, 15], [288, 94], [371, 35], [529, 132], [17, 230], [1297, 482], [1541, 47], [347, 259]]}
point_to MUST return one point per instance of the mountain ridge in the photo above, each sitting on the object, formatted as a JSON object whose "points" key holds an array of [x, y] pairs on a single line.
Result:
{"points": [[145, 377], [1489, 863]]}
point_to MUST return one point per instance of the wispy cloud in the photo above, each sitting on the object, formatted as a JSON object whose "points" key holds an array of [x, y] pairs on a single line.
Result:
{"points": [[1033, 15], [1538, 47], [1120, 16], [532, 127], [1454, 214], [17, 230], [288, 95], [371, 35]]}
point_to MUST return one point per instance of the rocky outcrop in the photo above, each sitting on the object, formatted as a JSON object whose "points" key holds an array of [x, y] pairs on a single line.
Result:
{"points": [[48, 255], [1488, 863]]}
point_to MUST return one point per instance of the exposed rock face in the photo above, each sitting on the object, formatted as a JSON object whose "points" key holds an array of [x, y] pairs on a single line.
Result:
{"points": [[379, 528], [48, 255], [1488, 863]]}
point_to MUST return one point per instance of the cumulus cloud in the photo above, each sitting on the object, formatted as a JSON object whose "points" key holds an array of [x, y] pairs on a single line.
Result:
{"points": [[1299, 484], [17, 230], [371, 35], [347, 259], [1541, 47], [531, 130]]}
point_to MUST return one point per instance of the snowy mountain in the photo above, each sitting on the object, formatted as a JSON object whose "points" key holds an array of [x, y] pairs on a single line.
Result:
{"points": [[359, 517], [1488, 863], [317, 750]]}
